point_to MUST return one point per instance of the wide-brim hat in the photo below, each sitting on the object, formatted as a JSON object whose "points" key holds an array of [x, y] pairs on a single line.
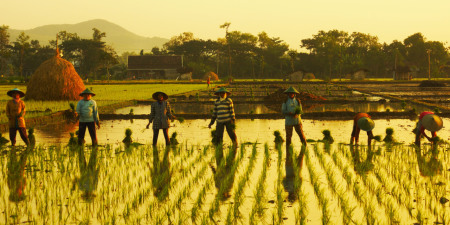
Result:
{"points": [[432, 122], [87, 92], [291, 90], [155, 95], [15, 90], [366, 124], [222, 90]]}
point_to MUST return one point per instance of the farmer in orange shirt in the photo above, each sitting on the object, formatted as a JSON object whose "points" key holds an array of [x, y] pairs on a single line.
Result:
{"points": [[362, 121], [15, 111], [430, 122]]}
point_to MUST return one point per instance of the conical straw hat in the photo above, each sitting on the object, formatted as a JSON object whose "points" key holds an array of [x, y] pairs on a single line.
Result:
{"points": [[291, 90], [366, 124], [432, 122]]}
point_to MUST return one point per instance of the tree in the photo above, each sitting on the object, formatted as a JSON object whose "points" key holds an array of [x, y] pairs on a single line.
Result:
{"points": [[21, 51], [225, 26], [5, 52]]}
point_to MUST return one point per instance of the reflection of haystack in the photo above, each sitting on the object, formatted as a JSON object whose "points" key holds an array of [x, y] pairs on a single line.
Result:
{"points": [[212, 75], [55, 79]]}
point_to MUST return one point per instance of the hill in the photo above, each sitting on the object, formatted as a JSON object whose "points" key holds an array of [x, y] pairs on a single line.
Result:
{"points": [[118, 37]]}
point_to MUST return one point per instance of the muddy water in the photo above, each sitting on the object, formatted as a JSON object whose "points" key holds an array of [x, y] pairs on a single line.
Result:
{"points": [[257, 108], [197, 132]]}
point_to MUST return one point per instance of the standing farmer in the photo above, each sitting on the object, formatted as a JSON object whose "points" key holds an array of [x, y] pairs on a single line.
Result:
{"points": [[291, 109], [224, 114], [160, 115], [362, 121], [88, 114], [430, 122], [208, 81], [15, 111]]}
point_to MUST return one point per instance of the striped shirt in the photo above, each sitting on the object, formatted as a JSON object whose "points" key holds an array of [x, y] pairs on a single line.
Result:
{"points": [[223, 111]]}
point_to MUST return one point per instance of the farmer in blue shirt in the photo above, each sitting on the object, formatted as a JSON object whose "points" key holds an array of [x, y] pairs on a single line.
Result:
{"points": [[88, 114], [291, 109]]}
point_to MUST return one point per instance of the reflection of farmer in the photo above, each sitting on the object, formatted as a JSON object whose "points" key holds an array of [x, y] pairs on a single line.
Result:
{"points": [[223, 113], [161, 174], [292, 108], [431, 166], [291, 174], [88, 115], [15, 111], [365, 166], [16, 175], [362, 121], [160, 115], [223, 175], [429, 121], [89, 173]]}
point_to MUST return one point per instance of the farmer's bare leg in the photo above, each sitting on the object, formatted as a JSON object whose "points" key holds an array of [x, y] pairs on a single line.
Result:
{"points": [[299, 130], [288, 136]]}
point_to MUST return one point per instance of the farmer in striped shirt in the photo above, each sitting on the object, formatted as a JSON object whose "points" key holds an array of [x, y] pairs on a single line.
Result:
{"points": [[223, 113]]}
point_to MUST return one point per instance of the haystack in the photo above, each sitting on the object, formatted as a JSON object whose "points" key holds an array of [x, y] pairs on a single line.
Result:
{"points": [[213, 76], [55, 79]]}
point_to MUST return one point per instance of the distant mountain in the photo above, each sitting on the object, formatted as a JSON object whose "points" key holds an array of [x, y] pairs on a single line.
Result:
{"points": [[118, 37]]}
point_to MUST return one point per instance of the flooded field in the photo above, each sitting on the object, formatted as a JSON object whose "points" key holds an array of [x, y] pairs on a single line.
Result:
{"points": [[256, 184]]}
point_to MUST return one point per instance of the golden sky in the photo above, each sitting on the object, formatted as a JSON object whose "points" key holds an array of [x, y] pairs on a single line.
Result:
{"points": [[291, 20]]}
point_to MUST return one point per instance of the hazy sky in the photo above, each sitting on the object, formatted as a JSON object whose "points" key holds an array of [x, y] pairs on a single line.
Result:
{"points": [[291, 20]]}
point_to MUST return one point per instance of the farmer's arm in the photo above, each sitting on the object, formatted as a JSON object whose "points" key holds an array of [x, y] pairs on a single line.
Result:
{"points": [[233, 115], [422, 131], [169, 111], [8, 113], [285, 110], [214, 116], [95, 112], [22, 110], [369, 137], [152, 115]]}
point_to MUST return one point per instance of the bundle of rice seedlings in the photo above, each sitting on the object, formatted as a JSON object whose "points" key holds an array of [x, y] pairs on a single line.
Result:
{"points": [[173, 139], [389, 135], [73, 140], [31, 137], [278, 138], [127, 140], [55, 79], [327, 138]]}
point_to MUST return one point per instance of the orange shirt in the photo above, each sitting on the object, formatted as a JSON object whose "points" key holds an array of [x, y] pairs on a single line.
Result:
{"points": [[359, 116], [15, 110]]}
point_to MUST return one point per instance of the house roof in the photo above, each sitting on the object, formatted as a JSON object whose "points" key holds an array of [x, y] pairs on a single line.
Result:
{"points": [[141, 62]]}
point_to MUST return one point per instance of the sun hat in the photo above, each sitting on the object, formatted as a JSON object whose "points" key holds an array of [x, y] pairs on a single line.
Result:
{"points": [[222, 90], [291, 90], [10, 92], [87, 92], [432, 122], [366, 124], [155, 95]]}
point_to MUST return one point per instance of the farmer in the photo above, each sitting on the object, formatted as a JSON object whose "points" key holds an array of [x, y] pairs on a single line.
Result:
{"points": [[15, 111], [430, 122], [160, 115], [88, 115], [362, 121], [208, 81], [224, 114], [291, 109]]}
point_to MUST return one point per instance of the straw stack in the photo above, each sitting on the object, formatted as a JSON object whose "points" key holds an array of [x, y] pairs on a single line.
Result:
{"points": [[55, 79]]}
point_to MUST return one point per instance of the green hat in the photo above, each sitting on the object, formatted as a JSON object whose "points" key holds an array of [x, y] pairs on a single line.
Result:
{"points": [[155, 95], [222, 90], [15, 90], [291, 90], [87, 92], [432, 122], [366, 124]]}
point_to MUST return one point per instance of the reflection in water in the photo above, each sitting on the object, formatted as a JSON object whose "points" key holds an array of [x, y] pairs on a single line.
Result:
{"points": [[88, 172], [428, 162], [161, 174], [293, 166], [57, 132], [362, 165], [16, 174], [223, 172]]}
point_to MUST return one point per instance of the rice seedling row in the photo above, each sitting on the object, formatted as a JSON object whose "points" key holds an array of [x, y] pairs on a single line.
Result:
{"points": [[259, 194]]}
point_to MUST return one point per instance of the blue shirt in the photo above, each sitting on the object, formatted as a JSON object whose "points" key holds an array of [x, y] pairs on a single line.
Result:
{"points": [[289, 107], [88, 111]]}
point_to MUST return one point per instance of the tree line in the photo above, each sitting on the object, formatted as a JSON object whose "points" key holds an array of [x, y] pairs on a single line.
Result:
{"points": [[327, 54]]}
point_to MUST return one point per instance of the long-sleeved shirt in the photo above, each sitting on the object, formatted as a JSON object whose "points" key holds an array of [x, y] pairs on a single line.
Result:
{"points": [[223, 111], [160, 115], [15, 111], [289, 107], [88, 111]]}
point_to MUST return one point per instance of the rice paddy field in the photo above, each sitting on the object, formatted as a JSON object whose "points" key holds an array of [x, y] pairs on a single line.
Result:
{"points": [[105, 95], [257, 182]]}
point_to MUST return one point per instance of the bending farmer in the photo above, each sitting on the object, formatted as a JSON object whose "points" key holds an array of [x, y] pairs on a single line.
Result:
{"points": [[362, 121]]}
